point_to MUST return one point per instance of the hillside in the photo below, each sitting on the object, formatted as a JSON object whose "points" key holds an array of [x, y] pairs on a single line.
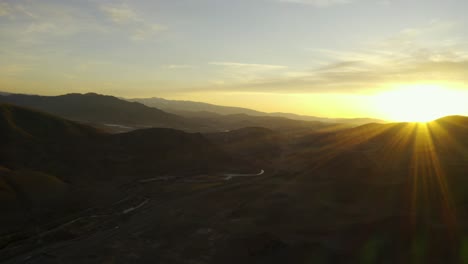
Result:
{"points": [[251, 195], [283, 125], [20, 123], [257, 144], [27, 198], [115, 115], [38, 149], [100, 109], [369, 193], [47, 143]]}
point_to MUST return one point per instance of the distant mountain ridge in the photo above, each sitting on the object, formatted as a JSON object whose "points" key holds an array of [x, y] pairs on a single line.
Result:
{"points": [[95, 108], [117, 115], [183, 105], [192, 108], [41, 141]]}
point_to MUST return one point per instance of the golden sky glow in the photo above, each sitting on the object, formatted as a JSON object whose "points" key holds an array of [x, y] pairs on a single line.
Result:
{"points": [[420, 102], [328, 58]]}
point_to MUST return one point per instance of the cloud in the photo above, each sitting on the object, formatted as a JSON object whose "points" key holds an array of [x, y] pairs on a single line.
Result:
{"points": [[144, 31], [317, 3], [15, 10], [350, 65], [86, 66], [13, 70], [120, 13], [178, 66], [364, 77], [45, 27], [44, 23], [361, 79], [445, 32], [21, 9], [404, 58], [234, 72], [248, 66], [5, 9], [128, 19]]}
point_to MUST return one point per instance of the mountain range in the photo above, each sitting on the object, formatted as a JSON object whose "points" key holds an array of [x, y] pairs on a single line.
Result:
{"points": [[281, 191], [114, 114], [191, 108]]}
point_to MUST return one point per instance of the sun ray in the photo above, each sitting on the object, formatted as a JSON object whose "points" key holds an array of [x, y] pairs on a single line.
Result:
{"points": [[431, 197], [350, 141]]}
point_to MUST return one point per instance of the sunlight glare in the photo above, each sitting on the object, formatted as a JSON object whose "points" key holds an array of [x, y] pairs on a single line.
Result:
{"points": [[419, 103]]}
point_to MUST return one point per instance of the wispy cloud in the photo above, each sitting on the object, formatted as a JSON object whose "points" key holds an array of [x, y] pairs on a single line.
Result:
{"points": [[250, 66], [178, 66], [145, 31], [406, 57], [36, 23], [358, 79], [45, 27], [350, 65], [235, 72], [318, 3], [13, 70], [127, 18], [89, 66], [5, 9], [21, 9], [120, 13]]}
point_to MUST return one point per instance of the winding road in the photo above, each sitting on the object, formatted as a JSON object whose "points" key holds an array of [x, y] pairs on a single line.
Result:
{"points": [[229, 176]]}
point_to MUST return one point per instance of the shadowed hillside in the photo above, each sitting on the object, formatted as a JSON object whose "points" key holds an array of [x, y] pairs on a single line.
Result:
{"points": [[256, 144], [99, 109], [47, 143], [19, 123], [30, 199], [377, 193], [42, 154]]}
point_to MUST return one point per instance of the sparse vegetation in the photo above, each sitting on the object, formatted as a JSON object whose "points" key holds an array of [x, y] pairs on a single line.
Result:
{"points": [[378, 193]]}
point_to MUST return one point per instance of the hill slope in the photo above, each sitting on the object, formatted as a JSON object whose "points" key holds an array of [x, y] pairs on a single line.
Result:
{"points": [[38, 149], [378, 193], [112, 114], [99, 109], [40, 141]]}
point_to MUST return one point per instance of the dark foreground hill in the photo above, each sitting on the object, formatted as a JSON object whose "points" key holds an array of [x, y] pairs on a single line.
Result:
{"points": [[378, 193], [257, 144], [40, 152]]}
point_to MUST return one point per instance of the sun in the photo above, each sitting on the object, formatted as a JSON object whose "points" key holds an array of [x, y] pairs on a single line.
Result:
{"points": [[419, 103]]}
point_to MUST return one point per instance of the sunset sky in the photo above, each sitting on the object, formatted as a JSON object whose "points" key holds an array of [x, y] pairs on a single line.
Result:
{"points": [[332, 58]]}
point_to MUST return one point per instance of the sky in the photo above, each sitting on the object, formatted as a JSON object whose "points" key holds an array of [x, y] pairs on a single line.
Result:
{"points": [[331, 58]]}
